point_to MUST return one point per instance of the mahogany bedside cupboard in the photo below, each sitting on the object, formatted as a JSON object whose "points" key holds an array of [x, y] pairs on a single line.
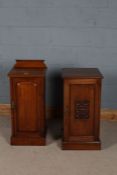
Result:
{"points": [[81, 108], [27, 85]]}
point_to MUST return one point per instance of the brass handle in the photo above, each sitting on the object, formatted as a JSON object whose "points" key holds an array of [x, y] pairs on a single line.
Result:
{"points": [[13, 105]]}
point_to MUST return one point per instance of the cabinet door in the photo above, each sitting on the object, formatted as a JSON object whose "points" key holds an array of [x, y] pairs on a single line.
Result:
{"points": [[80, 104], [28, 111]]}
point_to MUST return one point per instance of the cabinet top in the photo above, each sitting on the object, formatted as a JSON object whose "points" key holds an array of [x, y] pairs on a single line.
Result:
{"points": [[24, 68], [81, 73]]}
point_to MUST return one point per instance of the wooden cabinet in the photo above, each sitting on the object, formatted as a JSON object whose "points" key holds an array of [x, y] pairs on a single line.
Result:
{"points": [[81, 108], [27, 84]]}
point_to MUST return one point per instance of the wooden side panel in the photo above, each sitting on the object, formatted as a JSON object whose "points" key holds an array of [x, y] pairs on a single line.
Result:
{"points": [[27, 112], [81, 114], [79, 109]]}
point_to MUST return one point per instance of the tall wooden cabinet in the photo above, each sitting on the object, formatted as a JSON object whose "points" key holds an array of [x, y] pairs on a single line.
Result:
{"points": [[27, 85], [81, 108]]}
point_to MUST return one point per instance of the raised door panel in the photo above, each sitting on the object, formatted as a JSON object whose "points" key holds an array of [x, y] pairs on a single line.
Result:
{"points": [[28, 99], [26, 93], [80, 101]]}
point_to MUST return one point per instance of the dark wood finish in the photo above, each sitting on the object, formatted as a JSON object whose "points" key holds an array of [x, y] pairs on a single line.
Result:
{"points": [[27, 84], [30, 64], [81, 108], [81, 73]]}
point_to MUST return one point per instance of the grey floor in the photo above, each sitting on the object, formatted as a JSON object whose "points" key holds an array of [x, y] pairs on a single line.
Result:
{"points": [[51, 160]]}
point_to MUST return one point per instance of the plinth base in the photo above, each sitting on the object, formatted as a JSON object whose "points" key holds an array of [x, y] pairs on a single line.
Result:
{"points": [[81, 145], [28, 141]]}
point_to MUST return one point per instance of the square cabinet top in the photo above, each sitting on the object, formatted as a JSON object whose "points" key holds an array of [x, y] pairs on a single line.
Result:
{"points": [[81, 73]]}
